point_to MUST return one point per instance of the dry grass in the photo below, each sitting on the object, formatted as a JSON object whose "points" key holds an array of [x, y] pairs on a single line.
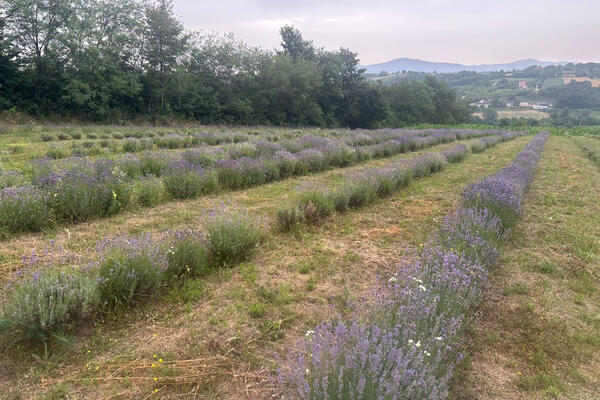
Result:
{"points": [[594, 82], [536, 114]]}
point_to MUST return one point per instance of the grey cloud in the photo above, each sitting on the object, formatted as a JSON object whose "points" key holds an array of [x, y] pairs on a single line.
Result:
{"points": [[466, 31]]}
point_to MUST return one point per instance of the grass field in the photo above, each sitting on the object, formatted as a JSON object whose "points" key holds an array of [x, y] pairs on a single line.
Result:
{"points": [[593, 82], [523, 114], [223, 335]]}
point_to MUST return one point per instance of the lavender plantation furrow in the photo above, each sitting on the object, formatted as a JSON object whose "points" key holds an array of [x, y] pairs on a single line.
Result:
{"points": [[411, 340], [363, 187], [86, 189]]}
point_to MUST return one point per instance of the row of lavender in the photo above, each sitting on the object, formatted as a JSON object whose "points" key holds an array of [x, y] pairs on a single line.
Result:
{"points": [[82, 188], [374, 143], [592, 151], [56, 294], [141, 141], [163, 140], [410, 342], [210, 138], [365, 186], [136, 142]]}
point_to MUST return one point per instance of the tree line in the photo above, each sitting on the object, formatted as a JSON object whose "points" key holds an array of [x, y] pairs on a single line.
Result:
{"points": [[112, 61]]}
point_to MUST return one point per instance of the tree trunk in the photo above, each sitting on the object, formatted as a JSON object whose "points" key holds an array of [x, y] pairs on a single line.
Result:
{"points": [[162, 91]]}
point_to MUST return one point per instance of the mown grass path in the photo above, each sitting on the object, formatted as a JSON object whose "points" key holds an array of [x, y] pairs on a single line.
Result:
{"points": [[217, 336], [538, 335]]}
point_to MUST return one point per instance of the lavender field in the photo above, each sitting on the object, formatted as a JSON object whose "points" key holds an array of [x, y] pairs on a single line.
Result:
{"points": [[340, 264]]}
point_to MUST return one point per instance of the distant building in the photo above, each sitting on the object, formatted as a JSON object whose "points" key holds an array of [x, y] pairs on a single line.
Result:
{"points": [[540, 106], [481, 104], [522, 84]]}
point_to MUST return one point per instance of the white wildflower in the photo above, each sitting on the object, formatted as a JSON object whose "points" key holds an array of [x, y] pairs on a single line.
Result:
{"points": [[392, 279], [418, 344], [423, 288]]}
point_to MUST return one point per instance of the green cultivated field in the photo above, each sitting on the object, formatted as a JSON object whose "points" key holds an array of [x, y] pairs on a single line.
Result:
{"points": [[246, 290]]}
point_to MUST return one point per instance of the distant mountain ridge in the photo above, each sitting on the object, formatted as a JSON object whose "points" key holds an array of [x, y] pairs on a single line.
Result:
{"points": [[415, 65]]}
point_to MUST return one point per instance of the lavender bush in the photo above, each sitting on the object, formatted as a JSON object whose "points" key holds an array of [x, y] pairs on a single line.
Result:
{"points": [[410, 341], [85, 189], [187, 255], [185, 181], [148, 191], [10, 178], [23, 209], [456, 153], [289, 218], [153, 164], [50, 300], [130, 269], [241, 173], [232, 236], [315, 202]]}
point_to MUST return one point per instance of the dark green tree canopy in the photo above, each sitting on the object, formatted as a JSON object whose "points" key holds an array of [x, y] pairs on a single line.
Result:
{"points": [[106, 60]]}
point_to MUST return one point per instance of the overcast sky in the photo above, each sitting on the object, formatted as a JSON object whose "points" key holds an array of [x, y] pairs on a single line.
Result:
{"points": [[463, 31]]}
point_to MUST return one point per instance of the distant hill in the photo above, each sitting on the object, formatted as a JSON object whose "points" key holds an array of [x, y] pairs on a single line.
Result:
{"points": [[410, 64]]}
